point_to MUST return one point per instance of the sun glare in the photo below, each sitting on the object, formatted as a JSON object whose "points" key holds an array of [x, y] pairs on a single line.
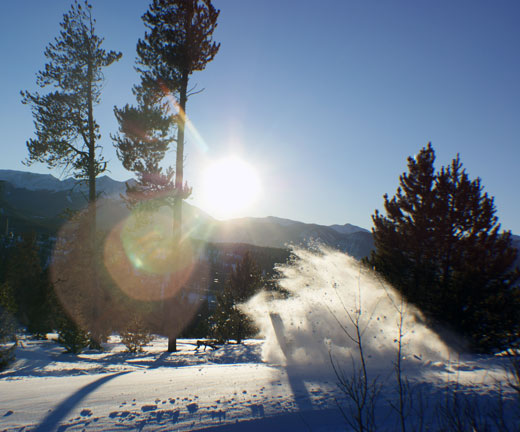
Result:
{"points": [[230, 185]]}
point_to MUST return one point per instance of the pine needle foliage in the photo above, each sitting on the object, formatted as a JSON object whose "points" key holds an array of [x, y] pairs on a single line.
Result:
{"points": [[178, 41], [65, 128], [8, 328], [228, 320], [135, 336], [71, 336], [440, 244]]}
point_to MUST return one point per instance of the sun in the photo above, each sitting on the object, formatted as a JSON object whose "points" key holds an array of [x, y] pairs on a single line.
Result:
{"points": [[229, 186]]}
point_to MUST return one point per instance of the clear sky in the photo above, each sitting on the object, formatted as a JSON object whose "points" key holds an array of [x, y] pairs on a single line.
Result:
{"points": [[326, 99]]}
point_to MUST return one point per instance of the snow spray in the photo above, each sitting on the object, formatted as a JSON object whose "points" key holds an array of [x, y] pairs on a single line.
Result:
{"points": [[331, 295]]}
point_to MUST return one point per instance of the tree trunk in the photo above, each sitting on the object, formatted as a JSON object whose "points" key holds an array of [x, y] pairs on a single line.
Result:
{"points": [[95, 331], [179, 180], [172, 344], [91, 167], [179, 163]]}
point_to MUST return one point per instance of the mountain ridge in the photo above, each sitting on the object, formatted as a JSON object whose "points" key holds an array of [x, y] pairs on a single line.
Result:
{"points": [[41, 199]]}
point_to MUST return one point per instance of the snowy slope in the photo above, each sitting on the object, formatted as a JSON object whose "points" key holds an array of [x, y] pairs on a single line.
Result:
{"points": [[119, 391], [296, 378], [231, 388]]}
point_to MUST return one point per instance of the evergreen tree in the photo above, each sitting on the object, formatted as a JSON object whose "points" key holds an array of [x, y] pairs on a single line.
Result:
{"points": [[177, 43], [85, 295], [228, 321], [30, 286], [135, 335], [66, 131], [141, 144], [70, 333], [440, 245], [7, 325]]}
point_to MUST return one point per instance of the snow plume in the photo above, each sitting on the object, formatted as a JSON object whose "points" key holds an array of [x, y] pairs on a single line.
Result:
{"points": [[328, 293]]}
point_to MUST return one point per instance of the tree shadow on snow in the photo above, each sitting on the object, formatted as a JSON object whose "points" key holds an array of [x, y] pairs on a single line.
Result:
{"points": [[64, 408]]}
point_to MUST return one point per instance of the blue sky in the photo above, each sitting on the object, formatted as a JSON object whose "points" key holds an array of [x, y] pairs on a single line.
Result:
{"points": [[326, 99]]}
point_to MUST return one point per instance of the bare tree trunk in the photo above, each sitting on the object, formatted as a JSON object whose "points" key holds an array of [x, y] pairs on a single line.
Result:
{"points": [[179, 180], [95, 331]]}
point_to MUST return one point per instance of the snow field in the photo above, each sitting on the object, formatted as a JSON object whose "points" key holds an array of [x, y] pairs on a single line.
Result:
{"points": [[283, 382]]}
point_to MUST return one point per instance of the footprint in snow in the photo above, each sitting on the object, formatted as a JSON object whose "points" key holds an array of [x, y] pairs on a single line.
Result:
{"points": [[146, 408], [8, 413], [220, 415], [85, 413], [257, 410], [192, 408]]}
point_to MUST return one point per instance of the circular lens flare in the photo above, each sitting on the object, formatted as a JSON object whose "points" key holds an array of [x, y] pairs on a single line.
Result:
{"points": [[136, 268], [145, 260]]}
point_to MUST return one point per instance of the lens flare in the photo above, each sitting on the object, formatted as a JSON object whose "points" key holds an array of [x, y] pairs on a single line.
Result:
{"points": [[77, 275], [136, 267], [144, 259], [188, 125]]}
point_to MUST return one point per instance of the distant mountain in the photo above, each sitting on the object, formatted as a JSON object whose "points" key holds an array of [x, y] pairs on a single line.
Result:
{"points": [[347, 228], [47, 182], [30, 201], [276, 232]]}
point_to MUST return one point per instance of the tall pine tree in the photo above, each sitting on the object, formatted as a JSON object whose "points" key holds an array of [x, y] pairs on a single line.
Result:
{"points": [[65, 128], [440, 244], [67, 133], [178, 42]]}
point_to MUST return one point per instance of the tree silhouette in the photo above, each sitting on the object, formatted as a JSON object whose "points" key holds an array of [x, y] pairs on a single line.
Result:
{"points": [[178, 42], [65, 128], [440, 244], [228, 321]]}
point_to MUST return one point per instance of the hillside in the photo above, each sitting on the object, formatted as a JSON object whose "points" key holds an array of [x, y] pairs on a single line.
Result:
{"points": [[40, 201]]}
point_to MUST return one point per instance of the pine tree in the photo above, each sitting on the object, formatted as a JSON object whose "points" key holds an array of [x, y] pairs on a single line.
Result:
{"points": [[440, 245], [66, 131], [228, 321], [84, 294], [30, 286], [70, 333], [135, 335], [177, 43], [7, 325], [141, 145], [403, 238]]}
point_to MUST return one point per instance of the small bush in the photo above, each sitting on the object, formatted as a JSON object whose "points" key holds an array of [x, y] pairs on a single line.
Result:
{"points": [[71, 336], [135, 336], [7, 356]]}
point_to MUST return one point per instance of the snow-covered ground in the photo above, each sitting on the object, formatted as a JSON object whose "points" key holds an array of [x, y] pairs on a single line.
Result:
{"points": [[282, 382], [47, 389], [230, 388]]}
